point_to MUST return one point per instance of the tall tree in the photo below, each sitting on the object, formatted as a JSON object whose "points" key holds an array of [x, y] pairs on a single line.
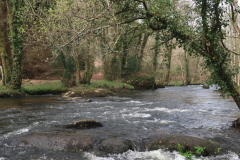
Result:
{"points": [[169, 47], [16, 36], [156, 52]]}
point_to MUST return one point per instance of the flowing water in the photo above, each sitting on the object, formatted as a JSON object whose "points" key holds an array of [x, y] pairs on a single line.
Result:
{"points": [[187, 110]]}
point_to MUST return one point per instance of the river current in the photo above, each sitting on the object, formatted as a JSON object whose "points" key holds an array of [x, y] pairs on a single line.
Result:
{"points": [[189, 110]]}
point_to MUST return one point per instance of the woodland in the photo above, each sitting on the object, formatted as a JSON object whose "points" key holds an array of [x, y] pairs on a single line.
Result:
{"points": [[124, 38]]}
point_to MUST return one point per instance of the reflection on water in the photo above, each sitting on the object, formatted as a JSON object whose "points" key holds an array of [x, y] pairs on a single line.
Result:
{"points": [[187, 110]]}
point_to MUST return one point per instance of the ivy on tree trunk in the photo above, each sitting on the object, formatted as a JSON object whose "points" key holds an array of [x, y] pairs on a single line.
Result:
{"points": [[16, 37]]}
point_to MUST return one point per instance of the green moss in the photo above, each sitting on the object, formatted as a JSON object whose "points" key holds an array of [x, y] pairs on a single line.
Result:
{"points": [[110, 84], [175, 83], [8, 92], [56, 87], [50, 87]]}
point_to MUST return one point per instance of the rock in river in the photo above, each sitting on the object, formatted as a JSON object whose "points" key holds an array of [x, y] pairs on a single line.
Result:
{"points": [[84, 124], [205, 87], [236, 123]]}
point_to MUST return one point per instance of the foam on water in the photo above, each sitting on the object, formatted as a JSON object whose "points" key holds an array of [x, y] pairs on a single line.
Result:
{"points": [[168, 110], [160, 121], [143, 115], [19, 131], [134, 102], [157, 155]]}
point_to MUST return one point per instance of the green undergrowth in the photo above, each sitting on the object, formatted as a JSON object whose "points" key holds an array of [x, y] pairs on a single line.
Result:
{"points": [[45, 88], [56, 87], [175, 83], [180, 83], [111, 85], [8, 92]]}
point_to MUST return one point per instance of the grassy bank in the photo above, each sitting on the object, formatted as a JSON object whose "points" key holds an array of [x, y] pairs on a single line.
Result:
{"points": [[111, 85], [47, 87], [41, 87], [180, 83]]}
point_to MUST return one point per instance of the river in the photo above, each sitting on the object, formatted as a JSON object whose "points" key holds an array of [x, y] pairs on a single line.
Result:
{"points": [[190, 110]]}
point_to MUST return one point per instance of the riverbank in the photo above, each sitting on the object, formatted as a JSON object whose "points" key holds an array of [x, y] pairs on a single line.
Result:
{"points": [[42, 87], [180, 83], [97, 88]]}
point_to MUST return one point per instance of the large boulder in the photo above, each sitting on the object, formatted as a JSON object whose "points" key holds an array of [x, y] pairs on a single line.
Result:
{"points": [[84, 124], [76, 141], [187, 143]]}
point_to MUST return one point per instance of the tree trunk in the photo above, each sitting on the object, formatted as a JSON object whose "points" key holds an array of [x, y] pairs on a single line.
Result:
{"points": [[144, 42], [155, 54], [17, 44], [111, 67], [186, 59], [2, 74], [89, 65], [3, 55], [78, 66], [103, 43], [196, 70], [181, 70], [66, 75], [169, 56], [124, 57]]}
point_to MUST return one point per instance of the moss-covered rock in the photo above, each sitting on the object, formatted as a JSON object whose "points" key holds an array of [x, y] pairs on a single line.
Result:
{"points": [[205, 87], [187, 143]]}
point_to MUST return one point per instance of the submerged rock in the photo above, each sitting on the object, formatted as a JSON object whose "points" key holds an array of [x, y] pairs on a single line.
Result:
{"points": [[116, 145], [84, 124], [205, 87], [101, 142], [76, 142]]}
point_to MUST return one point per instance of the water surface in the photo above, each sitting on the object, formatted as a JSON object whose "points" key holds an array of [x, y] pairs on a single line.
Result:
{"points": [[187, 110]]}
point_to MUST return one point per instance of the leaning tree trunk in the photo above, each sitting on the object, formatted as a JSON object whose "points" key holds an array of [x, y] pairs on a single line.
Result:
{"points": [[231, 87]]}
